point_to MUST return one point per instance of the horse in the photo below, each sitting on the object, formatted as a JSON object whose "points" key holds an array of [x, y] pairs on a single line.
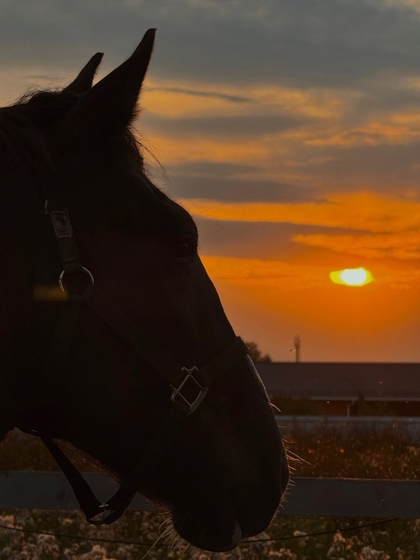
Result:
{"points": [[112, 335]]}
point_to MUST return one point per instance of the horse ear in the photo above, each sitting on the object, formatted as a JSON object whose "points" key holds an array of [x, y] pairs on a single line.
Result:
{"points": [[110, 104], [84, 80]]}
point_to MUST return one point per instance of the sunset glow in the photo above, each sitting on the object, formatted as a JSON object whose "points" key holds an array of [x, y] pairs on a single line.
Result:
{"points": [[351, 276], [293, 162]]}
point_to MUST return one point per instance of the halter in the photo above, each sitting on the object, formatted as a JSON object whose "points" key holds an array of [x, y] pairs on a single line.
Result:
{"points": [[188, 386]]}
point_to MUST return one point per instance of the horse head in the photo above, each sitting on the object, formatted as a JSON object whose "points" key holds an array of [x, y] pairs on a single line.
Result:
{"points": [[224, 470]]}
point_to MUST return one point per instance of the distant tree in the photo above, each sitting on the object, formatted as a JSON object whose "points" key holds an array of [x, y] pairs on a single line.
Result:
{"points": [[256, 354]]}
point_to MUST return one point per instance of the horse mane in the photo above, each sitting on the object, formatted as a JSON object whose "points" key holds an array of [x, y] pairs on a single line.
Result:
{"points": [[40, 108], [43, 107]]}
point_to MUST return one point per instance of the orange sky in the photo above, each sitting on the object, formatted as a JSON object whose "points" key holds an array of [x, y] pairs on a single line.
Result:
{"points": [[271, 299], [291, 131]]}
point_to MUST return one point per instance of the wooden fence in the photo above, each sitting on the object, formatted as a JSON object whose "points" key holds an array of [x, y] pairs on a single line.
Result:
{"points": [[306, 496]]}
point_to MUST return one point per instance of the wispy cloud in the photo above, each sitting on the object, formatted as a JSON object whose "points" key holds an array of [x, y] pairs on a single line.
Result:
{"points": [[260, 273], [359, 211], [402, 246], [198, 93], [193, 98]]}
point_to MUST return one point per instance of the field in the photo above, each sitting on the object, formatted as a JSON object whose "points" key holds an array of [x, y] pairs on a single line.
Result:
{"points": [[328, 453]]}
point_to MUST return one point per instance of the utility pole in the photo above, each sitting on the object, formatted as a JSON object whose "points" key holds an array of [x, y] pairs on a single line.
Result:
{"points": [[296, 348]]}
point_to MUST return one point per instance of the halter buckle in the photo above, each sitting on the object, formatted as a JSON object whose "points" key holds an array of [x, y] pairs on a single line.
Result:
{"points": [[101, 516], [186, 401]]}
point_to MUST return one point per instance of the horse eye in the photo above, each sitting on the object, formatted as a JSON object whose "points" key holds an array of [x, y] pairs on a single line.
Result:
{"points": [[183, 249]]}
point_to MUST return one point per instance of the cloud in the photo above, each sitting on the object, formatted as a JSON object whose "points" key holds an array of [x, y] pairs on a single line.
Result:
{"points": [[238, 126], [275, 273], [214, 169], [358, 211], [297, 137], [318, 93], [331, 44], [414, 4], [228, 182], [198, 93], [178, 99], [240, 190], [385, 167], [401, 246], [265, 272], [393, 127], [372, 134], [259, 240], [173, 150]]}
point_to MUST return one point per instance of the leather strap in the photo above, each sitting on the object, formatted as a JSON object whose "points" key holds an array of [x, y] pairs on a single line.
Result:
{"points": [[88, 502]]}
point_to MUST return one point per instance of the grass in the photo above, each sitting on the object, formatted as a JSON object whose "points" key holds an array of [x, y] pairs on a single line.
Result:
{"points": [[359, 453], [398, 540]]}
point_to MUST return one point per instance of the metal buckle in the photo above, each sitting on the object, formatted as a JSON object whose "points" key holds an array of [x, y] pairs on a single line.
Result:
{"points": [[176, 391], [61, 223], [100, 517]]}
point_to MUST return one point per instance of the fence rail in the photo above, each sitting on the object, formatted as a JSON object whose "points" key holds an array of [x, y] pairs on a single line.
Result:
{"points": [[406, 426], [307, 496]]}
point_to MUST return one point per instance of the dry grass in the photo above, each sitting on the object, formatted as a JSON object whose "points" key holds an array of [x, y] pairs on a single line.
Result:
{"points": [[361, 452], [399, 540]]}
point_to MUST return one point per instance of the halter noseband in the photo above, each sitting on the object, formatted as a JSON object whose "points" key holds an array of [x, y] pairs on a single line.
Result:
{"points": [[189, 386]]}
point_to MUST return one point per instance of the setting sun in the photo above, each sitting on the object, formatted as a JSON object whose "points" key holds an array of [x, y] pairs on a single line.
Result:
{"points": [[351, 276]]}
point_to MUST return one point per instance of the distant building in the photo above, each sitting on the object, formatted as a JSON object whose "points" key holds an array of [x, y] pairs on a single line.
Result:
{"points": [[346, 388]]}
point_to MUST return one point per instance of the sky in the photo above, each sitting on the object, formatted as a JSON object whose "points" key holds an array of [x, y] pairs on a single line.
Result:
{"points": [[291, 132]]}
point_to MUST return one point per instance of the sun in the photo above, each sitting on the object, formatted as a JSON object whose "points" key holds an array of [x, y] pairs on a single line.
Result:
{"points": [[351, 276]]}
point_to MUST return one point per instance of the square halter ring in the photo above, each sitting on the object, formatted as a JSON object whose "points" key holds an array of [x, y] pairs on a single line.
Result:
{"points": [[190, 384]]}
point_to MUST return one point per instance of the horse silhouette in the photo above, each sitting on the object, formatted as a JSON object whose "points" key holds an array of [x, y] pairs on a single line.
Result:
{"points": [[135, 364]]}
